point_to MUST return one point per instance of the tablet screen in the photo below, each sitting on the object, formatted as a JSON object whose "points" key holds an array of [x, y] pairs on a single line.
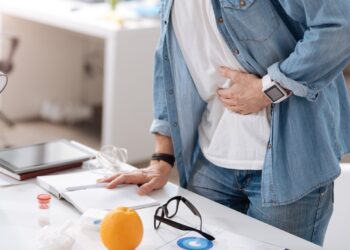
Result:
{"points": [[45, 154]]}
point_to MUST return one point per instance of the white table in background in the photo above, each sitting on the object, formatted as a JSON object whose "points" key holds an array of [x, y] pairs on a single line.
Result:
{"points": [[127, 91], [19, 220]]}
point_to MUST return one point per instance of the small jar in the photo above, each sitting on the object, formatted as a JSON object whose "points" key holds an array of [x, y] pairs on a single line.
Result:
{"points": [[44, 209]]}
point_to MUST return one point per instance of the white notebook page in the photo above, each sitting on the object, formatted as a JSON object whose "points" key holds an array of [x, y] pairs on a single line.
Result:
{"points": [[107, 199], [60, 182]]}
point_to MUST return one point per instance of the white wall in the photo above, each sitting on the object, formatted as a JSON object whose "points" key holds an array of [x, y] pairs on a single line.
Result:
{"points": [[48, 65], [337, 237]]}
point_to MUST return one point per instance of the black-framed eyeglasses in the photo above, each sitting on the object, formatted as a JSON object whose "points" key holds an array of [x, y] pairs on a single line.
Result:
{"points": [[167, 211], [3, 81]]}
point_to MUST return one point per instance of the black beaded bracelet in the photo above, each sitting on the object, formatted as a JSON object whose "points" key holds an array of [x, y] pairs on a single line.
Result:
{"points": [[164, 157]]}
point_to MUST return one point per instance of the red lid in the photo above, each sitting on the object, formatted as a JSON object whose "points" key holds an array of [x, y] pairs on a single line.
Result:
{"points": [[43, 197]]}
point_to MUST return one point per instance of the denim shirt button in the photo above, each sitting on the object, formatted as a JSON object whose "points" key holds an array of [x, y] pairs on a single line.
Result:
{"points": [[220, 20], [166, 58], [242, 3], [236, 51], [175, 124], [269, 146], [165, 22], [170, 92]]}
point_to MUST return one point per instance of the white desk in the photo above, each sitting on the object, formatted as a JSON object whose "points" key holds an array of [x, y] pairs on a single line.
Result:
{"points": [[127, 104], [19, 221]]}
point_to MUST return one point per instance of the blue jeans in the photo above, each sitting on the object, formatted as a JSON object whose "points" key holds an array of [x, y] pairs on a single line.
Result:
{"points": [[307, 218]]}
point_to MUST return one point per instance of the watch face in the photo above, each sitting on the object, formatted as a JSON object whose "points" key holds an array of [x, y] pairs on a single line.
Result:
{"points": [[274, 93]]}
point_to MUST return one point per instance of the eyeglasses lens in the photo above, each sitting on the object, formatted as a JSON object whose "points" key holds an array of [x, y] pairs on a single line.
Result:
{"points": [[172, 208], [159, 213]]}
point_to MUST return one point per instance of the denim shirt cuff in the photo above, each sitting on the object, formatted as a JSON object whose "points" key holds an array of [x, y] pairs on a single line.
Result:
{"points": [[297, 88], [161, 127]]}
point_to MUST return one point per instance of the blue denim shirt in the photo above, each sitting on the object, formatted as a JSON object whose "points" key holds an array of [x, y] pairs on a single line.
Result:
{"points": [[303, 45]]}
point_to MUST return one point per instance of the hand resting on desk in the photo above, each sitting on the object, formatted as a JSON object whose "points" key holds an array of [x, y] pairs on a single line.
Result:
{"points": [[151, 178]]}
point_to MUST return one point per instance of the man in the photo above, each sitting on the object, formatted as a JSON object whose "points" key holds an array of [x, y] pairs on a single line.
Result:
{"points": [[266, 143]]}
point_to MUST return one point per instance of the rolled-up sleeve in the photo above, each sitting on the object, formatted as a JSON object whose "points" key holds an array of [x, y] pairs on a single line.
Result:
{"points": [[160, 127], [298, 88], [322, 53]]}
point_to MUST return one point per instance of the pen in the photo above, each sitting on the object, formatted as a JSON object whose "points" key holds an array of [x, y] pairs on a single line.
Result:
{"points": [[97, 185]]}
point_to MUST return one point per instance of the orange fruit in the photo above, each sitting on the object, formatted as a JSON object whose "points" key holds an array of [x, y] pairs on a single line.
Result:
{"points": [[121, 229]]}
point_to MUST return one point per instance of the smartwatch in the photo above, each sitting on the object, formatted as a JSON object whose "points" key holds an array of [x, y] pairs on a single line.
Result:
{"points": [[273, 90]]}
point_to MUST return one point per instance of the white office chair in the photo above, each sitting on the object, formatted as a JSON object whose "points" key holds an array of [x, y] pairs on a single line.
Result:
{"points": [[338, 237]]}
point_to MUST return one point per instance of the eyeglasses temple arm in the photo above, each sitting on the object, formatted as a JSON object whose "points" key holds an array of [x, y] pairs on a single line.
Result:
{"points": [[184, 227], [193, 209]]}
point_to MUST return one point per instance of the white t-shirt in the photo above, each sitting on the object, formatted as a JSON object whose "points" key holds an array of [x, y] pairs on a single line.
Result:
{"points": [[227, 139]]}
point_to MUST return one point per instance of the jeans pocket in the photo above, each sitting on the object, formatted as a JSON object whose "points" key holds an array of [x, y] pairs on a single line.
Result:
{"points": [[252, 20], [327, 191], [323, 190]]}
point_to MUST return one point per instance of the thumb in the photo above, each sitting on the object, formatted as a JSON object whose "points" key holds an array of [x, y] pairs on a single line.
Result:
{"points": [[234, 75]]}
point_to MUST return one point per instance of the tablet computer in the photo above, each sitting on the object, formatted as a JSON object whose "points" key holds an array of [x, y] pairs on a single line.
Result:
{"points": [[43, 156]]}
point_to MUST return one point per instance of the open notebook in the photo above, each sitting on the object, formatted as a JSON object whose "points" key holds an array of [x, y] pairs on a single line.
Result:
{"points": [[97, 198]]}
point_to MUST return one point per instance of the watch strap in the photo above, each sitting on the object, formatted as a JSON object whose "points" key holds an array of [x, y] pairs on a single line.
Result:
{"points": [[164, 157], [268, 83]]}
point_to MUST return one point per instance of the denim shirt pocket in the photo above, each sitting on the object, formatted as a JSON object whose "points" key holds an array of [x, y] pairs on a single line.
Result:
{"points": [[252, 20]]}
